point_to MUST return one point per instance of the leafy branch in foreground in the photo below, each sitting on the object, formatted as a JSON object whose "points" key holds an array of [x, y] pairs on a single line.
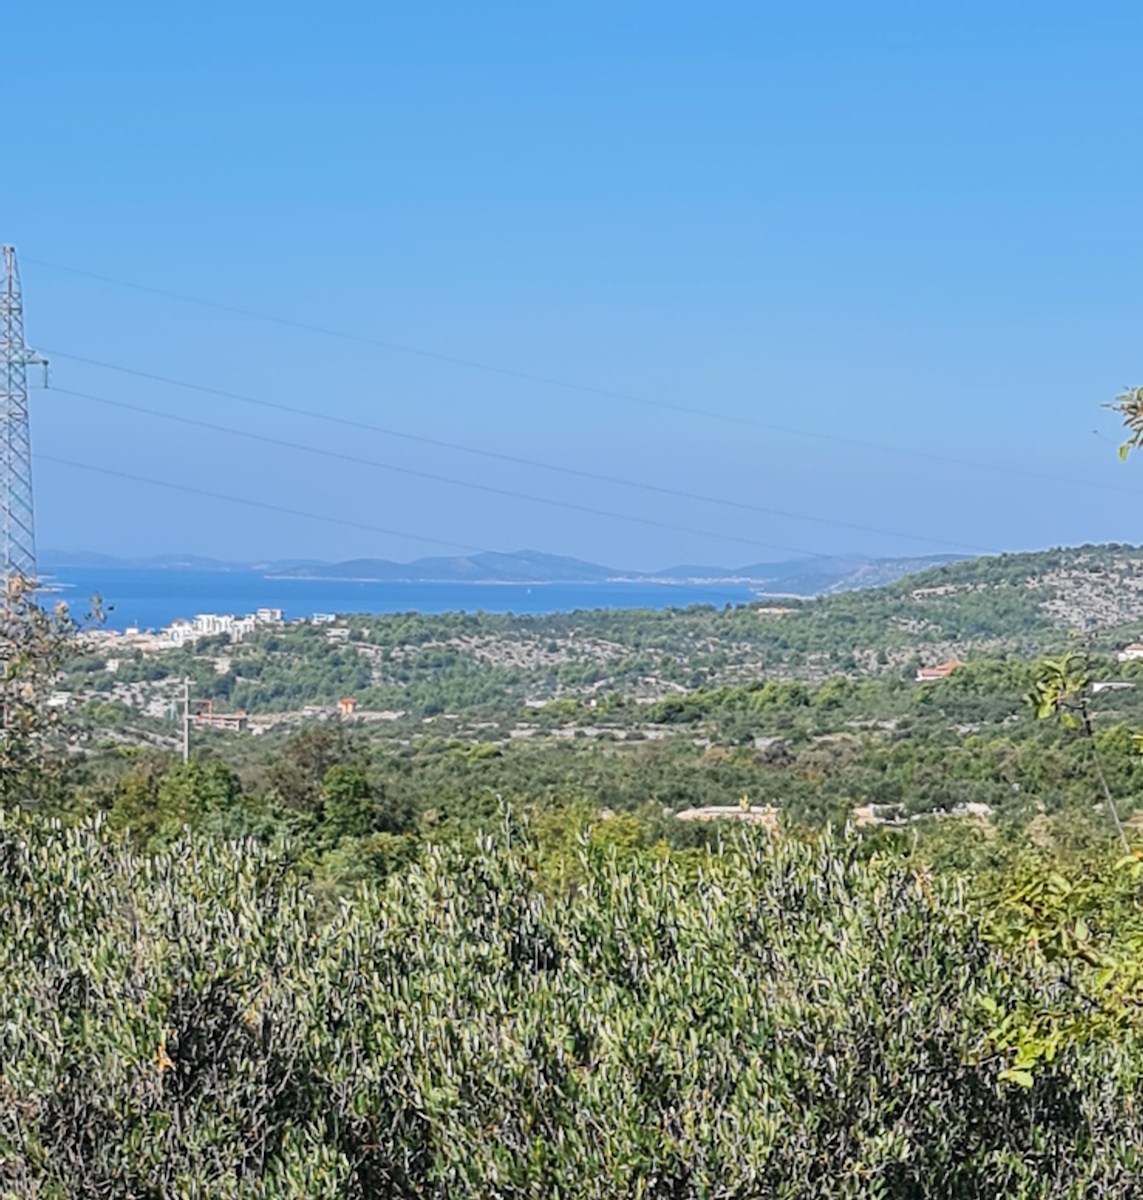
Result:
{"points": [[1129, 405], [1062, 690], [35, 644], [1086, 922]]}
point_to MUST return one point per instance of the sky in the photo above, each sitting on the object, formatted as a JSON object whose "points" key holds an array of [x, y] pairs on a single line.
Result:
{"points": [[862, 273]]}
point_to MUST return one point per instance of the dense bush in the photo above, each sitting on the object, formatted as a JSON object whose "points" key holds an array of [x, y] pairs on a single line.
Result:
{"points": [[787, 1018]]}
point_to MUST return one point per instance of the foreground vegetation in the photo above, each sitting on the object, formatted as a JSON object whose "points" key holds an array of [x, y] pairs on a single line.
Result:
{"points": [[789, 1016]]}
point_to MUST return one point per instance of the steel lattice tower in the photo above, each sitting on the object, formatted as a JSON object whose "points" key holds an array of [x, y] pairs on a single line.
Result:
{"points": [[17, 527]]}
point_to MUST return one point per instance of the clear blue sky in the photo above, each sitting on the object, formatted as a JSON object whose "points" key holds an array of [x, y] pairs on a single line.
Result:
{"points": [[899, 223]]}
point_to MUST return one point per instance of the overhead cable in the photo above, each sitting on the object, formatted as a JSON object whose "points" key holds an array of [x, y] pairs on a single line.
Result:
{"points": [[817, 435], [517, 460], [492, 489]]}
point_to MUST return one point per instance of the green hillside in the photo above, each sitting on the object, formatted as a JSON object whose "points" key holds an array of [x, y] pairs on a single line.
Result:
{"points": [[1014, 604], [688, 904], [812, 707]]}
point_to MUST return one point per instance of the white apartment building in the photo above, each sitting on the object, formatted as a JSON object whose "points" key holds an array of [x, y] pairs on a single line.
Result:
{"points": [[204, 625]]}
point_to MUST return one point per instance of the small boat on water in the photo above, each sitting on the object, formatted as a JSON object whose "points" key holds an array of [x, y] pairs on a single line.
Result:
{"points": [[48, 585]]}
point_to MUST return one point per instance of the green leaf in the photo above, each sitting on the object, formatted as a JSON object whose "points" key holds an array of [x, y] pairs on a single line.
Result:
{"points": [[1020, 1078]]}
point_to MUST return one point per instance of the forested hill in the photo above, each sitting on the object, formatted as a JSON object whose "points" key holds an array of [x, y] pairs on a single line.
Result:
{"points": [[811, 705], [1085, 588], [1018, 605]]}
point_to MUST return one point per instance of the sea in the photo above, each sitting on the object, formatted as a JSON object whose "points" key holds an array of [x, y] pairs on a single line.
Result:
{"points": [[152, 599]]}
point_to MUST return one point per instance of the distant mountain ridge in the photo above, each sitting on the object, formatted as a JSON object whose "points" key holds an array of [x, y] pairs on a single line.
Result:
{"points": [[811, 577], [802, 577], [524, 566], [806, 577]]}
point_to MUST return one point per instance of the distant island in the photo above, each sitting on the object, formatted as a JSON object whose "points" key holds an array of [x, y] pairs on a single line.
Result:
{"points": [[799, 577]]}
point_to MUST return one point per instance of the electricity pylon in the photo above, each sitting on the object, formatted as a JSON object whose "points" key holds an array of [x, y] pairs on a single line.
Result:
{"points": [[17, 525]]}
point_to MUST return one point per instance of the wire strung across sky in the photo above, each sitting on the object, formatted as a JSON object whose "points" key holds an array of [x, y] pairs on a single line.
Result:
{"points": [[594, 476], [268, 506], [208, 494], [341, 456], [817, 435]]}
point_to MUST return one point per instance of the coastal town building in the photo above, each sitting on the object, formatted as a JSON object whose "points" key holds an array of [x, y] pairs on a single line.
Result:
{"points": [[204, 625], [766, 815], [940, 671], [234, 722]]}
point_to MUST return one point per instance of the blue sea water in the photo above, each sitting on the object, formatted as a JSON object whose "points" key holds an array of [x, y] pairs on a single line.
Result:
{"points": [[152, 599]]}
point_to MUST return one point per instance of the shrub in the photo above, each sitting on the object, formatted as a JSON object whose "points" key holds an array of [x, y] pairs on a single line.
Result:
{"points": [[786, 1018]]}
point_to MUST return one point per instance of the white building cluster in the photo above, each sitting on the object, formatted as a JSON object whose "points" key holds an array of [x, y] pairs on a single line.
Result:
{"points": [[205, 625]]}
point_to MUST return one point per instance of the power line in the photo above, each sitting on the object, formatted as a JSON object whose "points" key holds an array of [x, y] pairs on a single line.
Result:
{"points": [[434, 478], [567, 385], [266, 505], [518, 460]]}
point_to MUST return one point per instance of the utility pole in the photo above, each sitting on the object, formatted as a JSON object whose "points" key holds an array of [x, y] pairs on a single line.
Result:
{"points": [[186, 718], [17, 526]]}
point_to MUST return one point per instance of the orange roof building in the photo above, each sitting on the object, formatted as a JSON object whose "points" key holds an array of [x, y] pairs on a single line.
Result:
{"points": [[941, 671]]}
